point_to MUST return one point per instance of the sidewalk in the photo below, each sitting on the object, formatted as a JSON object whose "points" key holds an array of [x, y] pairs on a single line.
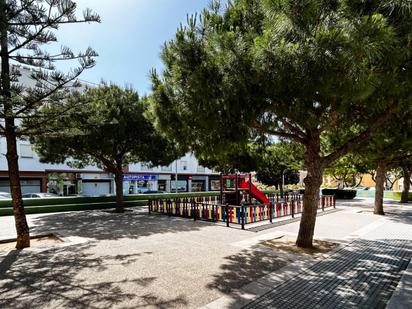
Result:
{"points": [[362, 274], [135, 260]]}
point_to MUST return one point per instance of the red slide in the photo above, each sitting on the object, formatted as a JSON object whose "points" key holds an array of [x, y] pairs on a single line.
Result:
{"points": [[256, 193]]}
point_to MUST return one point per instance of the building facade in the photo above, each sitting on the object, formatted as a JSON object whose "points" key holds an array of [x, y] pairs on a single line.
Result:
{"points": [[138, 178]]}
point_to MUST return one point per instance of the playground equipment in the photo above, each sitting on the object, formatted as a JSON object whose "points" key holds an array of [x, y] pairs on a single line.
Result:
{"points": [[209, 209], [240, 203], [238, 188]]}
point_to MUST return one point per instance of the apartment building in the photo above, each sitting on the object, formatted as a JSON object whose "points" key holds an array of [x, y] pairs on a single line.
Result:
{"points": [[183, 175]]}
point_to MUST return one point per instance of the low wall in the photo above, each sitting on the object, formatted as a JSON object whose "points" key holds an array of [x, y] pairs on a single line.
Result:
{"points": [[394, 195]]}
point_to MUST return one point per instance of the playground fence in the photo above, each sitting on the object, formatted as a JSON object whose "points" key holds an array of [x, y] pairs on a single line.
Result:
{"points": [[208, 209]]}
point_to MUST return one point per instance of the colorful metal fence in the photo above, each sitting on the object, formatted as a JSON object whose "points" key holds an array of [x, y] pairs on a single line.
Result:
{"points": [[208, 209]]}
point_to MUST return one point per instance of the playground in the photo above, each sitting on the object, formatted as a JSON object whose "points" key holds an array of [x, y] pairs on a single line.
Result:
{"points": [[240, 203], [135, 259]]}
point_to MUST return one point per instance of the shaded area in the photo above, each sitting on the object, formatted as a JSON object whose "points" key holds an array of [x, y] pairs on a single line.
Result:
{"points": [[363, 274], [245, 267], [101, 225], [70, 277]]}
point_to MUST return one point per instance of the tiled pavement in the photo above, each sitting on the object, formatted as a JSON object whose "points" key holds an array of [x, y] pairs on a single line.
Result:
{"points": [[364, 274], [361, 275]]}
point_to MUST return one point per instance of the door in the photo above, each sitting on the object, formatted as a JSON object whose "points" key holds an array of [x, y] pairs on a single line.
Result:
{"points": [[96, 188]]}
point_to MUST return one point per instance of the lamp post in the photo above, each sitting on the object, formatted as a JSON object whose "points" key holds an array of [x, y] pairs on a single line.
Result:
{"points": [[176, 189]]}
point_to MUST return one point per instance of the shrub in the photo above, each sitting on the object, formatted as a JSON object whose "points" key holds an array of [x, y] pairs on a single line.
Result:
{"points": [[340, 194]]}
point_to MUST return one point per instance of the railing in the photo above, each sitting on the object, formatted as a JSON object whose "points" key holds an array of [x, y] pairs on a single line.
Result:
{"points": [[210, 210]]}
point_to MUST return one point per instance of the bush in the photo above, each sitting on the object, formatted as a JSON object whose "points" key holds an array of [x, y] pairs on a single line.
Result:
{"points": [[340, 194]]}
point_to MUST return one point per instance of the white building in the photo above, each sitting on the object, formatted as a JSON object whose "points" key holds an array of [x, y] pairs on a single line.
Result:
{"points": [[139, 178]]}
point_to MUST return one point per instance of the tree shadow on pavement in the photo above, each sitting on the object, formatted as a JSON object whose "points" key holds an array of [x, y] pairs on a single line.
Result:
{"points": [[245, 267], [70, 277], [100, 225]]}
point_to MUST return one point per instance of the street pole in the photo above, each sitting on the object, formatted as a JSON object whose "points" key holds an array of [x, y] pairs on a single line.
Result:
{"points": [[176, 179]]}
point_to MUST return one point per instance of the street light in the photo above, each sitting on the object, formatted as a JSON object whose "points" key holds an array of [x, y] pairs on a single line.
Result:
{"points": [[176, 178]]}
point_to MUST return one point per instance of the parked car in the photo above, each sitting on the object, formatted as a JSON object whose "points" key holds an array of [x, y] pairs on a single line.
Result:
{"points": [[39, 195], [5, 195]]}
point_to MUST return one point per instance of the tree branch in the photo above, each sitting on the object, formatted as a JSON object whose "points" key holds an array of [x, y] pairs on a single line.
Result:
{"points": [[49, 93], [291, 136], [352, 143]]}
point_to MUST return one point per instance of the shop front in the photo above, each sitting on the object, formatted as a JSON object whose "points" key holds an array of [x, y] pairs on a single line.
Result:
{"points": [[199, 183], [182, 183], [139, 183]]}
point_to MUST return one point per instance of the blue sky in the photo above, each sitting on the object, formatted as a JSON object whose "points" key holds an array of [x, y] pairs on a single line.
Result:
{"points": [[130, 37]]}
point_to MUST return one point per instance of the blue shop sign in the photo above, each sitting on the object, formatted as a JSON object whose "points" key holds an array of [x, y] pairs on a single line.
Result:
{"points": [[131, 177]]}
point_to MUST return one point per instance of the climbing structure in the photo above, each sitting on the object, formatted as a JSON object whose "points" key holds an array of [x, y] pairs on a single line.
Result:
{"points": [[234, 187]]}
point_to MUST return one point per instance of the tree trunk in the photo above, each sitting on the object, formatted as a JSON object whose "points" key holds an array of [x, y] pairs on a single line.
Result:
{"points": [[22, 229], [312, 181], [118, 177], [406, 184], [380, 186]]}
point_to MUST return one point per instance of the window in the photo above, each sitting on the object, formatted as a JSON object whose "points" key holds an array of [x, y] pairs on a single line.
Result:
{"points": [[183, 165], [26, 151], [215, 185]]}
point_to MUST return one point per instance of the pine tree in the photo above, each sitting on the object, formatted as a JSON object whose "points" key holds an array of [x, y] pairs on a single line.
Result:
{"points": [[299, 70], [27, 25], [108, 129]]}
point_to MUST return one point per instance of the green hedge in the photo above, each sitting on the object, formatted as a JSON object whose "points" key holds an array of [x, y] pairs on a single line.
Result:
{"points": [[69, 207], [340, 194], [48, 205], [101, 199]]}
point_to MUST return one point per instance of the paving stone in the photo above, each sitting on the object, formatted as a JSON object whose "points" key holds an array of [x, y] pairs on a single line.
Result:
{"points": [[363, 274]]}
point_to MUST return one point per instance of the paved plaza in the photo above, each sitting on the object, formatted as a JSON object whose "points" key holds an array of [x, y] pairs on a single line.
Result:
{"points": [[135, 260]]}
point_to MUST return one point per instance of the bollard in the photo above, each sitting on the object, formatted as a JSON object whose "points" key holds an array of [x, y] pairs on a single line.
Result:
{"points": [[150, 206], [293, 208], [323, 203]]}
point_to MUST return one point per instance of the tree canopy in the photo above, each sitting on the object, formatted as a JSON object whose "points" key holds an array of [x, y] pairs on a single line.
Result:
{"points": [[108, 128], [279, 161], [300, 70]]}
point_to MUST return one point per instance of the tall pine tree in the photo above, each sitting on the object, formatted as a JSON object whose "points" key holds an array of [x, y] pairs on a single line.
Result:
{"points": [[26, 26], [299, 70]]}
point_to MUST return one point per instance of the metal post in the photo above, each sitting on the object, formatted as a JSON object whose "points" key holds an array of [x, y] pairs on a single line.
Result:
{"points": [[150, 206], [293, 208], [176, 189], [334, 201], [169, 207], [271, 212], [221, 188], [237, 189], [213, 213], [250, 188], [227, 215], [323, 203], [243, 216]]}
